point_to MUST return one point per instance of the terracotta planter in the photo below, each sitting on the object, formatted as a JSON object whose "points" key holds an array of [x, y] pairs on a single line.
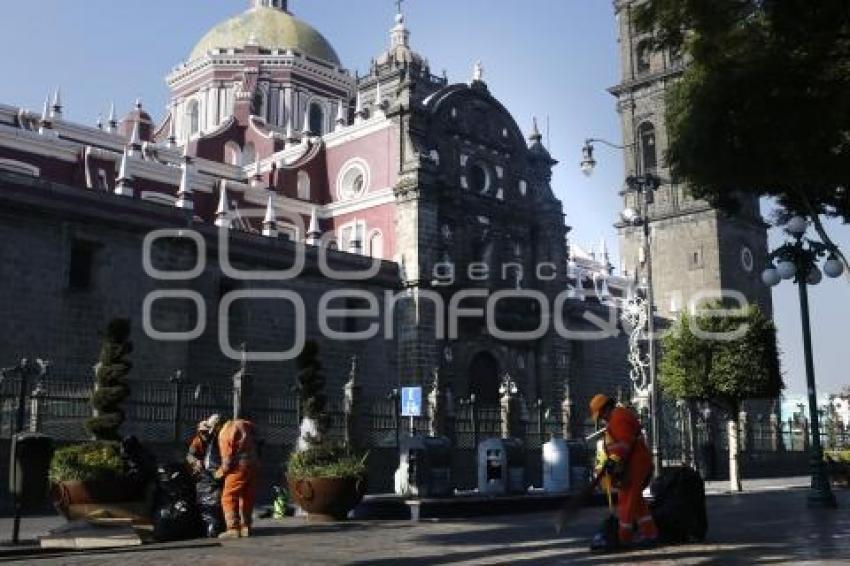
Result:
{"points": [[327, 499], [72, 498]]}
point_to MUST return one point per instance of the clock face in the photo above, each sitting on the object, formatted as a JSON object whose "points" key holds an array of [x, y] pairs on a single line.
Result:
{"points": [[747, 261]]}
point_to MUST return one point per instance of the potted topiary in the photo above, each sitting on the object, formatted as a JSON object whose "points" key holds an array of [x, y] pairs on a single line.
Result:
{"points": [[325, 480], [86, 476]]}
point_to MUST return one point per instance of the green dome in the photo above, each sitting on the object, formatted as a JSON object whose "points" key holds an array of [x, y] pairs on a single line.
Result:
{"points": [[272, 28]]}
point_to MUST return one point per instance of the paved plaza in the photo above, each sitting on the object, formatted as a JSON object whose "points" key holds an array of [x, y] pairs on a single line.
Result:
{"points": [[770, 525]]}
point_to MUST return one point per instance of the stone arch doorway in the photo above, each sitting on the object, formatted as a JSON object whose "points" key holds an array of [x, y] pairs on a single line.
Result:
{"points": [[484, 378]]}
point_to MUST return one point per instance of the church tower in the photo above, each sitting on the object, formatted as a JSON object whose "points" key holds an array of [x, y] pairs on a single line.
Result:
{"points": [[697, 250]]}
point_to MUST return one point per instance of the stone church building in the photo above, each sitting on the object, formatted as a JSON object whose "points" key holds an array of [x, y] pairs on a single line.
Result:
{"points": [[307, 170]]}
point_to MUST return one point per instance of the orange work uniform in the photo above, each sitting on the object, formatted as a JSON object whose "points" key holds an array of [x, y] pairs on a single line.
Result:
{"points": [[624, 443], [239, 464], [197, 451]]}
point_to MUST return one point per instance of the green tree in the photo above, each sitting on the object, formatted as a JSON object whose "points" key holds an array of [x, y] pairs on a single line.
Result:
{"points": [[312, 399], [111, 387], [723, 357], [762, 105]]}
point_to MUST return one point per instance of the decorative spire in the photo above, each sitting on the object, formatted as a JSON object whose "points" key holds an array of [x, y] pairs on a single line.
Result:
{"points": [[341, 117], [56, 112], [172, 130], [222, 213], [112, 121], [45, 123], [478, 72], [314, 234], [359, 115], [257, 180], [270, 221], [379, 97], [399, 35], [135, 139], [138, 103], [184, 191], [535, 136], [279, 4], [124, 184]]}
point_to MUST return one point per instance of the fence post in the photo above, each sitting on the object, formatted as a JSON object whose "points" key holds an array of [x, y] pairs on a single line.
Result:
{"points": [[36, 416], [566, 418], [177, 382], [806, 441]]}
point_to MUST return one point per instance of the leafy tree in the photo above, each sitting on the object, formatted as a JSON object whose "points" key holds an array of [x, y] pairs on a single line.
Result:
{"points": [[723, 357], [111, 387], [312, 399], [762, 106]]}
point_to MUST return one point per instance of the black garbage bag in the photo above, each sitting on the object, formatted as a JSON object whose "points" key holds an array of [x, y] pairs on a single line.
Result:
{"points": [[139, 463], [175, 513], [208, 492], [678, 505]]}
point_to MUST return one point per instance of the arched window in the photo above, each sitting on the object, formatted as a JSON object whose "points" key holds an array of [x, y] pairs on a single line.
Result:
{"points": [[648, 150], [193, 116], [317, 119], [303, 185], [249, 154], [643, 59], [376, 245], [233, 154]]}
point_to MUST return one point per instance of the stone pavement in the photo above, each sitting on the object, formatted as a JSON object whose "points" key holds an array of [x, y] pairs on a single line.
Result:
{"points": [[764, 527]]}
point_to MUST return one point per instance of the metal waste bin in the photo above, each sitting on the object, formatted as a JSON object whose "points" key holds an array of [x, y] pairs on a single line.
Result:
{"points": [[28, 469], [501, 466], [424, 467], [28, 473]]}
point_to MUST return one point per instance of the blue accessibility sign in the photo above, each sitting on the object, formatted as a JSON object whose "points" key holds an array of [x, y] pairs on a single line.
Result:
{"points": [[411, 401]]}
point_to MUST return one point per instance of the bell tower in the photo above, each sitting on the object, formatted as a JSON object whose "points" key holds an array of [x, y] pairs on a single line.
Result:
{"points": [[697, 251]]}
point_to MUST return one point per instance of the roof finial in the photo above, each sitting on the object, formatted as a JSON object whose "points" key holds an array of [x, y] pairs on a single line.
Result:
{"points": [[135, 139], [535, 132], [184, 191], [56, 113], [112, 122], [123, 185], [341, 116], [270, 221], [314, 234], [359, 114], [45, 116], [478, 72], [222, 213], [172, 130]]}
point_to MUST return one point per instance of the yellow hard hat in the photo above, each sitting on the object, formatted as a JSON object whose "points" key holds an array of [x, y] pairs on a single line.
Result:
{"points": [[597, 404]]}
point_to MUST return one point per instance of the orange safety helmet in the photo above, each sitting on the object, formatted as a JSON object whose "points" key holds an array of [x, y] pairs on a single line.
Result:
{"points": [[598, 403]]}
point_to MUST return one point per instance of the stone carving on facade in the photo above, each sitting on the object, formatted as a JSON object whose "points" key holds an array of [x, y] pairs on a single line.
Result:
{"points": [[508, 396]]}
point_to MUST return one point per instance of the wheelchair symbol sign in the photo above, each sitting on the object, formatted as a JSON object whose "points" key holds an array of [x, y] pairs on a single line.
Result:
{"points": [[411, 401]]}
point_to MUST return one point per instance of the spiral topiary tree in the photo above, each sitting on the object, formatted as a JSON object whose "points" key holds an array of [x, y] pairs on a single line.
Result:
{"points": [[311, 396], [111, 387]]}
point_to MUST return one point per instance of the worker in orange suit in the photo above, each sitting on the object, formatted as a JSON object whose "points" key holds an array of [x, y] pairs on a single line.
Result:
{"points": [[628, 464], [239, 468]]}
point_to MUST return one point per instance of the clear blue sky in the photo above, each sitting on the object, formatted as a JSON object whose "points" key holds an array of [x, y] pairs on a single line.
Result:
{"points": [[550, 58]]}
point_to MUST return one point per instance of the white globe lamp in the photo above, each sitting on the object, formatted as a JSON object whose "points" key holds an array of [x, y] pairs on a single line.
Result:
{"points": [[770, 277], [797, 226], [786, 269], [833, 267], [815, 276]]}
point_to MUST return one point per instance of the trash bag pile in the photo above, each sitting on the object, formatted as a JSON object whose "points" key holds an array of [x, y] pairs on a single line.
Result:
{"points": [[139, 463], [175, 512], [208, 493]]}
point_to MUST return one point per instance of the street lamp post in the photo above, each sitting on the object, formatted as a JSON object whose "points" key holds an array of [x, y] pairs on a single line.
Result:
{"points": [[644, 186], [797, 260]]}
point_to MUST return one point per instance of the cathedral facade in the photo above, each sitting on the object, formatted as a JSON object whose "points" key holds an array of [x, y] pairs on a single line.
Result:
{"points": [[418, 205]]}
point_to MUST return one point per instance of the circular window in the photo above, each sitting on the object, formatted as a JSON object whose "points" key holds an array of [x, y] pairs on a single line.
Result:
{"points": [[353, 180], [479, 178], [747, 261]]}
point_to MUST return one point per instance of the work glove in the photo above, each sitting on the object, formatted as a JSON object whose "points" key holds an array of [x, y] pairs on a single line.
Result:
{"points": [[614, 468], [219, 474]]}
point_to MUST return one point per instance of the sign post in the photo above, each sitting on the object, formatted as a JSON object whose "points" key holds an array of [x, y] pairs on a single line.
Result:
{"points": [[411, 404]]}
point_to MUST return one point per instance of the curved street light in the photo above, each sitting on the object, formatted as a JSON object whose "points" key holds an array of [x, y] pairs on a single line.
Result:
{"points": [[798, 260], [645, 186]]}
